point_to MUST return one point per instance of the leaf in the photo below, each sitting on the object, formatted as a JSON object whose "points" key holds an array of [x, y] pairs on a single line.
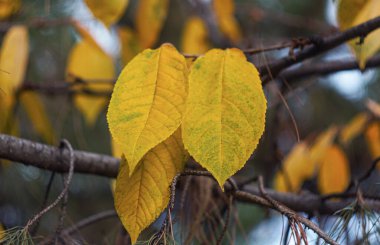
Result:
{"points": [[322, 143], [36, 112], [224, 11], [148, 101], [7, 103], [141, 197], [95, 67], [107, 11], [150, 18], [130, 45], [355, 12], [353, 128], [296, 168], [195, 37], [2, 232], [374, 107], [372, 135], [334, 172], [8, 8], [13, 59], [225, 112], [116, 149]]}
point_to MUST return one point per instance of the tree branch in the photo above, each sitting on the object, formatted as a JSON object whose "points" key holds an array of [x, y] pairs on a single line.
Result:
{"points": [[326, 68], [318, 46], [54, 159]]}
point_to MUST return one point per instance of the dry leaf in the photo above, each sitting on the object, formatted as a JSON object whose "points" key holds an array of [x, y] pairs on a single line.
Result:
{"points": [[296, 168], [372, 135], [150, 18], [355, 12], [97, 68], [8, 8], [195, 37], [36, 112], [353, 128], [130, 45], [334, 172], [228, 25]]}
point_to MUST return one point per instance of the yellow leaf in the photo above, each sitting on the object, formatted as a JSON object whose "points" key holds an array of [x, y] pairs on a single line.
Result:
{"points": [[13, 59], [372, 135], [353, 128], [225, 112], [8, 8], [2, 232], [150, 18], [97, 68], [6, 107], [322, 143], [374, 107], [116, 149], [355, 12], [334, 172], [148, 101], [36, 111], [142, 196], [107, 11], [195, 37], [224, 11], [296, 168], [130, 45]]}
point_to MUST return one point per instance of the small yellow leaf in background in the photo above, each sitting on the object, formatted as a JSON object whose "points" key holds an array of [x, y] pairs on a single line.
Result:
{"points": [[322, 143], [148, 101], [130, 45], [8, 8], [141, 197], [150, 18], [13, 59], [353, 128], [228, 25], [107, 11], [97, 68], [355, 12], [225, 112], [296, 168], [374, 107], [13, 63], [2, 232], [36, 112], [7, 103], [195, 37], [334, 172], [372, 135]]}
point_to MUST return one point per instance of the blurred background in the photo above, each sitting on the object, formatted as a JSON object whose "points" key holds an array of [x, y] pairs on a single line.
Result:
{"points": [[315, 102]]}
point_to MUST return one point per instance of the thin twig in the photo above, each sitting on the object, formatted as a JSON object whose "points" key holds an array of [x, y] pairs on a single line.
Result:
{"points": [[228, 214], [293, 215], [89, 221], [319, 46], [46, 196], [67, 145], [354, 182]]}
